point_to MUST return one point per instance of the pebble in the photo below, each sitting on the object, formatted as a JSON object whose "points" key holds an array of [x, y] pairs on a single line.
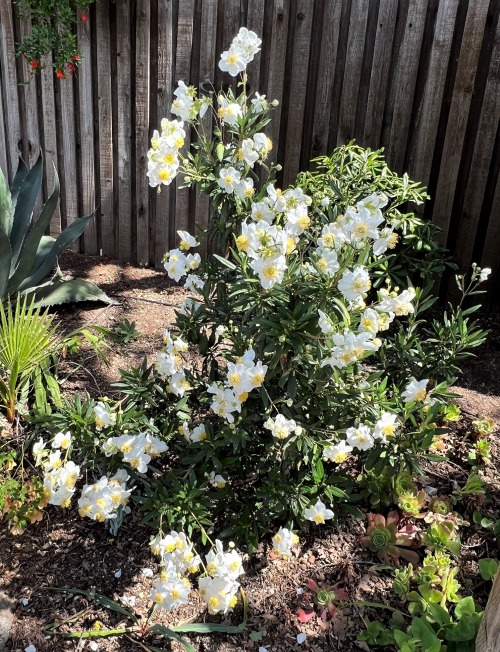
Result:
{"points": [[6, 619]]}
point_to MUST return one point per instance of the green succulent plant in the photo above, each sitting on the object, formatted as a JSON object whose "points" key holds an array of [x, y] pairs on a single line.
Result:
{"points": [[28, 257], [383, 537]]}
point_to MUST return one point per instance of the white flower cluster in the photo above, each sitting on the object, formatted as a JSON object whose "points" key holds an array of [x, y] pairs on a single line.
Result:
{"points": [[60, 473], [281, 427], [100, 501], [186, 105], [178, 264], [245, 46], [219, 588], [283, 542], [197, 434], [265, 241], [163, 157], [171, 365], [137, 449], [243, 376]]}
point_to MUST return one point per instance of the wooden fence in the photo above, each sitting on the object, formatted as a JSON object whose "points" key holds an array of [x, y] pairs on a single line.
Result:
{"points": [[418, 77]]}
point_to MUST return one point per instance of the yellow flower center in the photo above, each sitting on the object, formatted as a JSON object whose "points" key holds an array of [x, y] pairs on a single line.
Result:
{"points": [[318, 519], [270, 272], [340, 457], [420, 395], [232, 58], [164, 175]]}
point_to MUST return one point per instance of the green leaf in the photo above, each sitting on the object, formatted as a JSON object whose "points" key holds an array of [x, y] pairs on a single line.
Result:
{"points": [[488, 568], [105, 602], [169, 633], [68, 236], [465, 606], [28, 192], [34, 238], [5, 261], [463, 630], [5, 205], [74, 290], [423, 631]]}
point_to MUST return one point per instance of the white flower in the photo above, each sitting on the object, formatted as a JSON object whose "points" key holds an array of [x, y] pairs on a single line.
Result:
{"points": [[360, 437], [62, 440], [327, 262], [354, 284], [103, 416], [385, 426], [369, 322], [400, 305], [280, 427], [262, 212], [283, 541], [373, 203], [216, 480], [485, 272], [325, 323], [224, 403], [229, 178], [337, 453], [228, 112], [319, 513], [244, 190], [415, 390], [171, 591], [233, 61], [270, 270], [219, 593], [260, 103], [387, 240], [248, 42], [187, 240]]}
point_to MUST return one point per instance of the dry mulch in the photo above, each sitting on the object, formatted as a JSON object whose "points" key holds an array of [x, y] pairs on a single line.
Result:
{"points": [[66, 551]]}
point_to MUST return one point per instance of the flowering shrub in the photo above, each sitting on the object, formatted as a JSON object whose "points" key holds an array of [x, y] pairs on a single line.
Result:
{"points": [[52, 33], [296, 363]]}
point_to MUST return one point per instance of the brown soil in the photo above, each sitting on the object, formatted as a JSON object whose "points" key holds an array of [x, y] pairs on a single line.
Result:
{"points": [[66, 551]]}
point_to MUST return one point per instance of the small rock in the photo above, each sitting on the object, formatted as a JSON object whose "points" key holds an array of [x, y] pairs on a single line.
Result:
{"points": [[6, 619]]}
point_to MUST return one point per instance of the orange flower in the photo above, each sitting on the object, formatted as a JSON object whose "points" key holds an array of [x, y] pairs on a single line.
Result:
{"points": [[60, 74], [84, 17], [34, 64]]}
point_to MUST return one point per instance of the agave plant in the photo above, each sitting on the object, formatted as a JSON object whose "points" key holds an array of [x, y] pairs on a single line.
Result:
{"points": [[27, 339], [383, 537], [28, 257]]}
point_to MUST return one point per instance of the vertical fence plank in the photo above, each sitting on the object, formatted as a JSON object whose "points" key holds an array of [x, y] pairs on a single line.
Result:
{"points": [[427, 121], [326, 76], [379, 76], [86, 136], [405, 80], [352, 71], [10, 85], [104, 101], [279, 27], [4, 165], [29, 111], [490, 257], [255, 23], [459, 112], [165, 52], [141, 109], [48, 118], [124, 161], [208, 61], [483, 154], [180, 219], [67, 152], [297, 89]]}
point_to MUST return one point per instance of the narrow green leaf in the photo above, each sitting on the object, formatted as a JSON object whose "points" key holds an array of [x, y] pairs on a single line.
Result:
{"points": [[28, 192]]}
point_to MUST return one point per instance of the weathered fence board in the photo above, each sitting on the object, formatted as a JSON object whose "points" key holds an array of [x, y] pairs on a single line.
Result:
{"points": [[419, 77]]}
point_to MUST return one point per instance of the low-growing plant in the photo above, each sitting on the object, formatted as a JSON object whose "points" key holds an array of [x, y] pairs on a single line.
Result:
{"points": [[442, 536], [126, 332], [390, 543]]}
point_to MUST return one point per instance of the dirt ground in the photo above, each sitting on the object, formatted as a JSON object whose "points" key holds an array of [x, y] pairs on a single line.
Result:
{"points": [[65, 551]]}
